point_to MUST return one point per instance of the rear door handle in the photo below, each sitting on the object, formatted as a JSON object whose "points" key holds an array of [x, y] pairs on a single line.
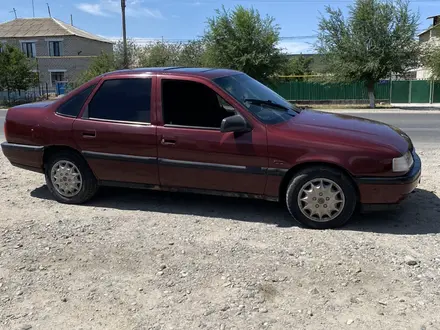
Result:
{"points": [[89, 134], [168, 142]]}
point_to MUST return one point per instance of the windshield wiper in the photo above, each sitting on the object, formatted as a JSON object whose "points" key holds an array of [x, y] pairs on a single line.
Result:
{"points": [[268, 102]]}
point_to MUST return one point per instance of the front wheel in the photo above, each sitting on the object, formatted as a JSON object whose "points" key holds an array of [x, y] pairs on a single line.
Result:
{"points": [[69, 178], [321, 197]]}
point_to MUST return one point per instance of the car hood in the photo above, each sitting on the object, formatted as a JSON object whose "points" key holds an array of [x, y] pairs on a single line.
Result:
{"points": [[349, 128]]}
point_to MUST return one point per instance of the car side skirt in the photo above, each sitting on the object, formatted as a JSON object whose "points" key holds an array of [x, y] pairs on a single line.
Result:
{"points": [[186, 190]]}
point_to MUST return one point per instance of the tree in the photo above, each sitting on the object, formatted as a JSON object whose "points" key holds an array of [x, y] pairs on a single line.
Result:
{"points": [[102, 64], [431, 58], [15, 70], [132, 54], [192, 54], [160, 54], [298, 66], [242, 40], [377, 39]]}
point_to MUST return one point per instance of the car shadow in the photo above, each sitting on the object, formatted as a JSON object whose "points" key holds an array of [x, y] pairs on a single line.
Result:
{"points": [[241, 209], [419, 214]]}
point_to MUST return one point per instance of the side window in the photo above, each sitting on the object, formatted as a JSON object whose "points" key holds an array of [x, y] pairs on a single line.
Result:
{"points": [[188, 103], [73, 106], [122, 100]]}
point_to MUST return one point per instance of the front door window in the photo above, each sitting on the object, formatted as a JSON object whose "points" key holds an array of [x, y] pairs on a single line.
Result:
{"points": [[192, 104]]}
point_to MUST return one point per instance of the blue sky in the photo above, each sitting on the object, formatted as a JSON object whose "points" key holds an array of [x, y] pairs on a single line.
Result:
{"points": [[186, 19]]}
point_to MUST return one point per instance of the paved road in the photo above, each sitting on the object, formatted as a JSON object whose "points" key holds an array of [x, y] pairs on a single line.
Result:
{"points": [[423, 128], [2, 121]]}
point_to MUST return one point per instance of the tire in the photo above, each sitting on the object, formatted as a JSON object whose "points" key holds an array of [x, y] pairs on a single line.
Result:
{"points": [[81, 192], [333, 181]]}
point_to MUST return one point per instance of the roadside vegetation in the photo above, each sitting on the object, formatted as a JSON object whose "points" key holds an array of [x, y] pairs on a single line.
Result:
{"points": [[377, 38], [15, 71]]}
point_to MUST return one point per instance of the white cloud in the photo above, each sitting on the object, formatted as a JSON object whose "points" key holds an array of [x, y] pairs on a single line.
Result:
{"points": [[107, 7], [147, 12], [296, 47], [93, 9]]}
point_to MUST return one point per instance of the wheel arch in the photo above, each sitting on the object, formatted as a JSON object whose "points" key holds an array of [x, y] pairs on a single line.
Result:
{"points": [[299, 167], [54, 149]]}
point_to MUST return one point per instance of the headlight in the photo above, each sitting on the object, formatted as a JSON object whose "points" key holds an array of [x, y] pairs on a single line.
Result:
{"points": [[404, 163]]}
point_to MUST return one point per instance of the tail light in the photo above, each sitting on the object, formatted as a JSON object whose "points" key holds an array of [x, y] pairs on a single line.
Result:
{"points": [[5, 130]]}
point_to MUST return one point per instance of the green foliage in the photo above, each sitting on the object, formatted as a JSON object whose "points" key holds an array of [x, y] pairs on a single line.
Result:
{"points": [[102, 64], [431, 58], [377, 39], [159, 54], [193, 54], [242, 40], [298, 66], [15, 70], [132, 54]]}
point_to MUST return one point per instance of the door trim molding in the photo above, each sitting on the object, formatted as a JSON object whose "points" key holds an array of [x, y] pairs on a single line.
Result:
{"points": [[119, 157], [186, 164], [213, 166]]}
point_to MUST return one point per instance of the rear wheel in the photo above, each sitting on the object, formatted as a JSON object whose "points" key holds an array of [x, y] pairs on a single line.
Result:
{"points": [[69, 178], [321, 197]]}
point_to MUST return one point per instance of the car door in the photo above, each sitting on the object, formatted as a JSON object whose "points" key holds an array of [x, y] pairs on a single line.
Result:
{"points": [[115, 134], [193, 152]]}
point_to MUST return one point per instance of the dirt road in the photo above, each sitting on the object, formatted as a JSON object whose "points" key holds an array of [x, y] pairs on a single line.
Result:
{"points": [[144, 260]]}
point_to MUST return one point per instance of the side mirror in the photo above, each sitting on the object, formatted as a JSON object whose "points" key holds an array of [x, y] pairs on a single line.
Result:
{"points": [[235, 124]]}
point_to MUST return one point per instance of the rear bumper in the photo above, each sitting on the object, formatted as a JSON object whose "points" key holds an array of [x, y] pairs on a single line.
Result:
{"points": [[24, 156], [389, 190]]}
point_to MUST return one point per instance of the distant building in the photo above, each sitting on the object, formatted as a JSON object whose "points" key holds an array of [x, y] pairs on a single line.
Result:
{"points": [[433, 31], [430, 36], [61, 51]]}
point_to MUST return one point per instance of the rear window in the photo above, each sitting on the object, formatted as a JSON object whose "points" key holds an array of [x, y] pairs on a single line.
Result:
{"points": [[122, 100], [73, 106]]}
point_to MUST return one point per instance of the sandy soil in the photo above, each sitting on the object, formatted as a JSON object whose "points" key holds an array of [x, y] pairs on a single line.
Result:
{"points": [[146, 260]]}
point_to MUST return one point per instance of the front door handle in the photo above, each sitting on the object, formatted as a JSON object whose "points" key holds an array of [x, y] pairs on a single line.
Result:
{"points": [[89, 134], [168, 142]]}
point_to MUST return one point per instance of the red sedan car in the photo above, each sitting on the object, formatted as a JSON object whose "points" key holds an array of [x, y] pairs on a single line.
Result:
{"points": [[210, 131]]}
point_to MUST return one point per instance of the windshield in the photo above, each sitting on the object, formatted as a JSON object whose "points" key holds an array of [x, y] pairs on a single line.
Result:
{"points": [[264, 103]]}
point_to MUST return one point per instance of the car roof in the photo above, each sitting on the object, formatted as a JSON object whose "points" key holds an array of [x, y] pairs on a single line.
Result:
{"points": [[209, 73]]}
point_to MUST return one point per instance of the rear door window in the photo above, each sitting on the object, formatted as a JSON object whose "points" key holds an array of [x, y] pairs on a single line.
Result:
{"points": [[122, 100], [73, 106]]}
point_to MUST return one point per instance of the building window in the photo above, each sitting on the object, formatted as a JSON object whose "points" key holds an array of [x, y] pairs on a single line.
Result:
{"points": [[2, 46], [28, 47], [55, 48], [56, 76]]}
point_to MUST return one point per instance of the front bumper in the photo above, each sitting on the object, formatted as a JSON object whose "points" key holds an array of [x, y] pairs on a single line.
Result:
{"points": [[390, 190]]}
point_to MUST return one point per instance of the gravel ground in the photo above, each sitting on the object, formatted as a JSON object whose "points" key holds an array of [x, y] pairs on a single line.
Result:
{"points": [[146, 260]]}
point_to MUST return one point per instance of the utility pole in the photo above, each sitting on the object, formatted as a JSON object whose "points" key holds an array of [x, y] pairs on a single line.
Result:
{"points": [[15, 12], [71, 19], [33, 9], [124, 34], [48, 9]]}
